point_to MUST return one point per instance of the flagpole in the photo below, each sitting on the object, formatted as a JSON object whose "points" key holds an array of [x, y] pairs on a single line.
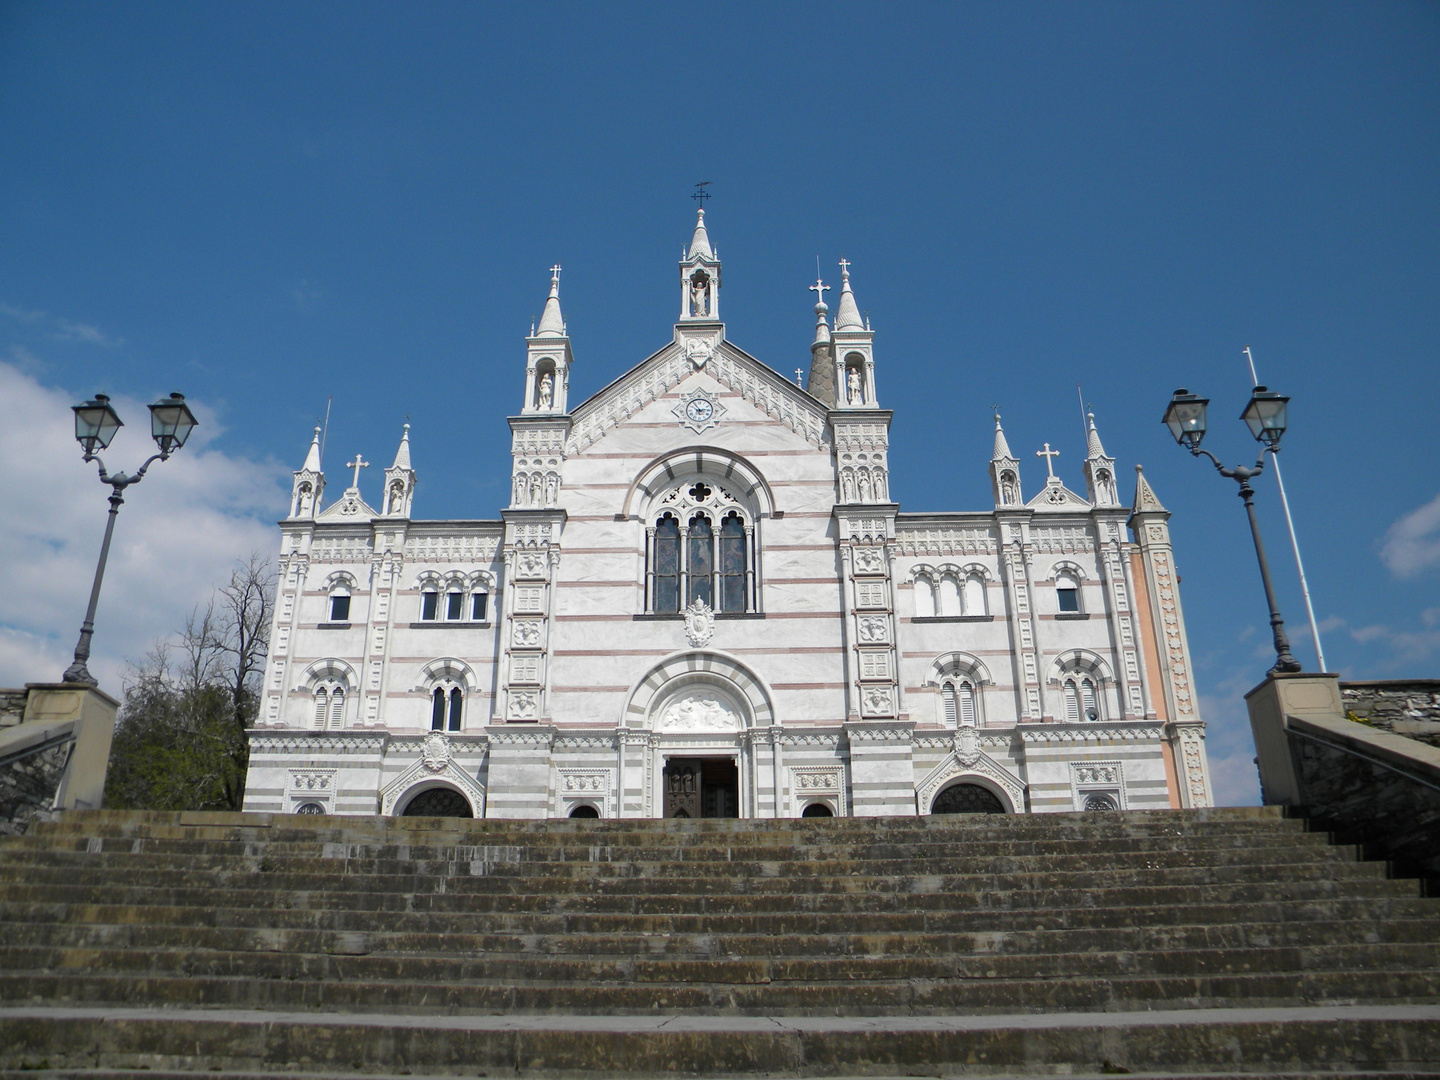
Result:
{"points": [[1294, 543]]}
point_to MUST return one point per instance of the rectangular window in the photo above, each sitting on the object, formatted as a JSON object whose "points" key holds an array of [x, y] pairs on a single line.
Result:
{"points": [[339, 609], [1069, 599], [478, 606], [454, 605], [429, 606]]}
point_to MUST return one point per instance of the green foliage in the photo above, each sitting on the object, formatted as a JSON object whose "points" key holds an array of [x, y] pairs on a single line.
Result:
{"points": [[180, 737]]}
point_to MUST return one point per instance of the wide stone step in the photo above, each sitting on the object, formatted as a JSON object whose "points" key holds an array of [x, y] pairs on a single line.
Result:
{"points": [[845, 997], [1374, 915]]}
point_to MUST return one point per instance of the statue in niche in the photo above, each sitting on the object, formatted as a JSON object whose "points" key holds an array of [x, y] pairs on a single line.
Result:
{"points": [[699, 295], [303, 504], [1104, 488], [546, 397], [854, 390], [864, 485], [397, 497], [847, 481], [1008, 494], [535, 482], [519, 490], [879, 485], [551, 488]]}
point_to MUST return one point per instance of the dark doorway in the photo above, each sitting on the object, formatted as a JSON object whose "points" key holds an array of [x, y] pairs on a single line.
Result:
{"points": [[702, 787], [438, 802], [967, 799], [817, 809], [584, 811]]}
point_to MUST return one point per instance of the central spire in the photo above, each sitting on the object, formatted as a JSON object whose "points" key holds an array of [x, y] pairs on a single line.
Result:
{"points": [[552, 324], [847, 314], [700, 242], [700, 277]]}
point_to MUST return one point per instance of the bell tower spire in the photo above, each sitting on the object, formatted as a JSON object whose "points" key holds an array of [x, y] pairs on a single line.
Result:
{"points": [[853, 351], [548, 357], [400, 480], [1099, 468], [700, 277], [1004, 471], [309, 483]]}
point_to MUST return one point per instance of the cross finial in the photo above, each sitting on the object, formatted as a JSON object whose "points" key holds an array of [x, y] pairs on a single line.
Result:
{"points": [[1048, 455], [798, 373], [819, 289], [701, 194], [555, 273], [845, 266], [358, 464]]}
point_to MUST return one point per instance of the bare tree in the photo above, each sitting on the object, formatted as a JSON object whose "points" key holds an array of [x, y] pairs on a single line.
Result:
{"points": [[180, 739]]}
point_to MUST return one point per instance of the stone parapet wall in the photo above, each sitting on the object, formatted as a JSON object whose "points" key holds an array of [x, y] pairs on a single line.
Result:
{"points": [[1407, 707], [28, 787], [12, 706]]}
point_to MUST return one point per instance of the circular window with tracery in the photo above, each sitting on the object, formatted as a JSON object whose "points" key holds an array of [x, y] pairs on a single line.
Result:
{"points": [[438, 802], [967, 799]]}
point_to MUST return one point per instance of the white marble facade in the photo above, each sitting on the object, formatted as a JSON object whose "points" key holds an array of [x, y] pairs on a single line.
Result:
{"points": [[700, 568]]}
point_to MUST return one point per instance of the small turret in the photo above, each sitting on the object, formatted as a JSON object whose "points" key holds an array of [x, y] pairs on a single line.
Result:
{"points": [[400, 480], [700, 277], [548, 357], [822, 358], [1004, 472], [1099, 469], [853, 350], [309, 483]]}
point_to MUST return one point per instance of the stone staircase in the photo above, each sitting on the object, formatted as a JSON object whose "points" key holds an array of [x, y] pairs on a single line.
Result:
{"points": [[1179, 942]]}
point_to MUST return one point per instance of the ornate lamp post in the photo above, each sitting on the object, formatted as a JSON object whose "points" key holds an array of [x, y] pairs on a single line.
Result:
{"points": [[1265, 417], [96, 423]]}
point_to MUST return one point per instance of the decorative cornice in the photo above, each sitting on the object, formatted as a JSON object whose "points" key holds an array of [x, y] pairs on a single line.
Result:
{"points": [[1140, 731]]}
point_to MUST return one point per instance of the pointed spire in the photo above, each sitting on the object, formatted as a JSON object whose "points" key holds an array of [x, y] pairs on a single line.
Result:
{"points": [[312, 459], [1145, 498], [1093, 446], [847, 315], [402, 455], [700, 243], [1002, 448], [822, 326], [551, 322]]}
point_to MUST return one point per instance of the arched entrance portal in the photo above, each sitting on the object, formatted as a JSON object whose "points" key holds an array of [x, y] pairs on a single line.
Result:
{"points": [[967, 799], [438, 802]]}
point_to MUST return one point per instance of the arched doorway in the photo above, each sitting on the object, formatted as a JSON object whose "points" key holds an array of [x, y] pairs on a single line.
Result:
{"points": [[584, 810], [967, 799], [438, 802], [817, 809]]}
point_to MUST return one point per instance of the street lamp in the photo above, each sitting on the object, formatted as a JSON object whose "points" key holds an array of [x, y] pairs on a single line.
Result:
{"points": [[96, 423], [1264, 415]]}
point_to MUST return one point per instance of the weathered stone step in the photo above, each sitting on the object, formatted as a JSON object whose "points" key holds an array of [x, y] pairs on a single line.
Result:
{"points": [[1376, 914], [452, 969], [463, 940], [147, 1073], [915, 905]]}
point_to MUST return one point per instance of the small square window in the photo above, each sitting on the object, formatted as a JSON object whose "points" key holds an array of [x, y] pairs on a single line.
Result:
{"points": [[1069, 599], [478, 606], [429, 606], [339, 609], [454, 605]]}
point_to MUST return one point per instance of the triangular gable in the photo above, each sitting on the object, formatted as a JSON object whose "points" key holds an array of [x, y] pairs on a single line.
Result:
{"points": [[732, 367], [350, 507], [1056, 496]]}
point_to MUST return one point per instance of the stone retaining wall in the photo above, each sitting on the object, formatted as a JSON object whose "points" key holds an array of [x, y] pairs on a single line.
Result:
{"points": [[1408, 707]]}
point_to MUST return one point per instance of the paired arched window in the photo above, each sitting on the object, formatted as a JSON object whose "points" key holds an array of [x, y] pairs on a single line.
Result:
{"points": [[454, 601], [704, 550], [1082, 696], [447, 705], [961, 701], [329, 705]]}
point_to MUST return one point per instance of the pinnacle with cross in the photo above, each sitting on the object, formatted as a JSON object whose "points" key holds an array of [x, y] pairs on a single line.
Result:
{"points": [[845, 267], [555, 272], [1048, 455], [358, 464], [819, 289]]}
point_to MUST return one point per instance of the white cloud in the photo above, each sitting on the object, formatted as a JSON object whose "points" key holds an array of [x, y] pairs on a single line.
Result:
{"points": [[79, 332], [1412, 544], [177, 535]]}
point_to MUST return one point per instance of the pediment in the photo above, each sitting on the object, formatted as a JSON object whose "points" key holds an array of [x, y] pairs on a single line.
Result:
{"points": [[1056, 496], [733, 368], [350, 507]]}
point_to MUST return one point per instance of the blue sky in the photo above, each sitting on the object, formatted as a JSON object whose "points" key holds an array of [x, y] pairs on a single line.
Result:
{"points": [[265, 204]]}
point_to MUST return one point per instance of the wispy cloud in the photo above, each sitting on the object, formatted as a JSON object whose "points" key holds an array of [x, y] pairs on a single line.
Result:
{"points": [[61, 329], [20, 314], [1412, 544], [178, 534]]}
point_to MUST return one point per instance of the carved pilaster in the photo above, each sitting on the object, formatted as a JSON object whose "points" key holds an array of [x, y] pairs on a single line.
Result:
{"points": [[531, 554]]}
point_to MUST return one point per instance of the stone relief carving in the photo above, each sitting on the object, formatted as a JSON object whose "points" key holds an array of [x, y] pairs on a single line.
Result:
{"points": [[967, 746], [524, 704], [435, 751], [526, 633], [874, 628], [699, 711], [869, 561], [699, 624], [876, 700]]}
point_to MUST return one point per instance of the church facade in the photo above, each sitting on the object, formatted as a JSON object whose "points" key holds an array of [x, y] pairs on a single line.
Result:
{"points": [[702, 602]]}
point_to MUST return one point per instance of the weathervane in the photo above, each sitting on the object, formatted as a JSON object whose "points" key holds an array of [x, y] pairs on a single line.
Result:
{"points": [[701, 193]]}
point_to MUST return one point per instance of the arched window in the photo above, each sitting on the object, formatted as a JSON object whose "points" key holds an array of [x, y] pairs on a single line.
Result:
{"points": [[1100, 801], [949, 596], [732, 563], [1082, 697], [667, 564], [446, 708], [479, 604], [339, 602], [967, 799], [975, 595], [329, 705], [960, 701], [454, 604], [924, 598], [1067, 592], [701, 561], [429, 605]]}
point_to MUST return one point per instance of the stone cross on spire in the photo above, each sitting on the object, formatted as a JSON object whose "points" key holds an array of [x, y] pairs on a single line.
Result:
{"points": [[358, 464], [555, 272], [844, 266], [819, 289], [1048, 455]]}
